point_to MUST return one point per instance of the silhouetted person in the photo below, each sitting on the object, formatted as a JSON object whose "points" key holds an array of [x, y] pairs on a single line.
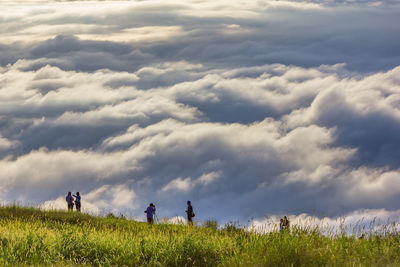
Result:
{"points": [[285, 224], [190, 213], [70, 201], [150, 211], [77, 202], [281, 224]]}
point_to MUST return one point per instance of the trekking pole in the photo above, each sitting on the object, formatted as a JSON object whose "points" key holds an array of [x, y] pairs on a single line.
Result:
{"points": [[155, 214]]}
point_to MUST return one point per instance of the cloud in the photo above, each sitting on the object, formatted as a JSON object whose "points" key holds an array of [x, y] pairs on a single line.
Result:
{"points": [[126, 36], [364, 112], [101, 201], [177, 145], [188, 184], [6, 146], [115, 198], [359, 222], [178, 184], [246, 109]]}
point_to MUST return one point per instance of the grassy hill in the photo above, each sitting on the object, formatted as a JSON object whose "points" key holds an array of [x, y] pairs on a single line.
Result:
{"points": [[30, 236]]}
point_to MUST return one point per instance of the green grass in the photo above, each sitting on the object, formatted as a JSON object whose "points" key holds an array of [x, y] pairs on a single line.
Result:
{"points": [[30, 236]]}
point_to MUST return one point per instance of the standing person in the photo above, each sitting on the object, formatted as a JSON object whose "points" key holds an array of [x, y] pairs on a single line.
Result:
{"points": [[77, 202], [285, 224], [281, 224], [70, 201], [190, 213], [150, 211]]}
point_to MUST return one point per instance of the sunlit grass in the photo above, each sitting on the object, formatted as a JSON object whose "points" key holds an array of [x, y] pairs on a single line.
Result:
{"points": [[30, 236]]}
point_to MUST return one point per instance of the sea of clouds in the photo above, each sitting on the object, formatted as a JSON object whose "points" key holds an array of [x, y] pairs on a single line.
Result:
{"points": [[250, 109]]}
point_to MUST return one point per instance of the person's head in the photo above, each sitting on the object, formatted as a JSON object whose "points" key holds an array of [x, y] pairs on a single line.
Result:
{"points": [[151, 205], [285, 218], [77, 193], [188, 202], [69, 193], [281, 220]]}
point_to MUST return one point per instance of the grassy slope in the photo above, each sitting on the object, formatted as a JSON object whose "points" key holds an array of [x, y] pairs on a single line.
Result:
{"points": [[32, 237]]}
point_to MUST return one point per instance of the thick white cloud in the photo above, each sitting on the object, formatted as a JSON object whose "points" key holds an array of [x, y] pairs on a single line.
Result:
{"points": [[177, 146], [245, 108], [106, 199], [127, 35], [359, 222], [6, 144]]}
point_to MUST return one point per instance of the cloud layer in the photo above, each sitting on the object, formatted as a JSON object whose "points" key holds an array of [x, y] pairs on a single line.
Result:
{"points": [[247, 109]]}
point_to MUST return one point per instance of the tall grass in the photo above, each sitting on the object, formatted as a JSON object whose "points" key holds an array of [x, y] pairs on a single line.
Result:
{"points": [[30, 236]]}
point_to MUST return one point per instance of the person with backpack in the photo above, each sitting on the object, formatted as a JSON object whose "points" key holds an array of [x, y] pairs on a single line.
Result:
{"points": [[189, 212], [77, 202], [150, 212], [70, 201]]}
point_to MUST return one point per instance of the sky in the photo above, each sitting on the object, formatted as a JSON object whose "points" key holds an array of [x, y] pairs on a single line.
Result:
{"points": [[250, 109]]}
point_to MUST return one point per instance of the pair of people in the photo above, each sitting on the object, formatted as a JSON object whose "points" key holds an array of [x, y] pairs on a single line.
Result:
{"points": [[284, 223], [151, 212], [71, 201]]}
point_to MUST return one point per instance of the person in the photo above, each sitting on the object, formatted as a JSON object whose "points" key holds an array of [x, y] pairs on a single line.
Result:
{"points": [[281, 224], [70, 201], [77, 202], [150, 211], [190, 213], [285, 223]]}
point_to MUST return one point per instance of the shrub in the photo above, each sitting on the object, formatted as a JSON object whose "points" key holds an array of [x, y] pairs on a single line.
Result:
{"points": [[212, 224]]}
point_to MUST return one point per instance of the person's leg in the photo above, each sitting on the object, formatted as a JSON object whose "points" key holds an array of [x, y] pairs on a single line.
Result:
{"points": [[78, 208]]}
